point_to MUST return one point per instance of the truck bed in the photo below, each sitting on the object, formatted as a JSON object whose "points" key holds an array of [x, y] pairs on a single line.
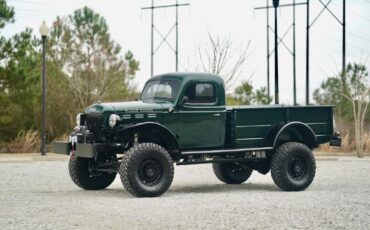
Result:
{"points": [[249, 126]]}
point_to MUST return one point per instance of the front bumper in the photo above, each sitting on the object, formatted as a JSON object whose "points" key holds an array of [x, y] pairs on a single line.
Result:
{"points": [[80, 150], [61, 147]]}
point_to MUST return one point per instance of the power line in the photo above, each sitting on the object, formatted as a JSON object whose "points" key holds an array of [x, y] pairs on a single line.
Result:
{"points": [[358, 36], [351, 46], [353, 34], [31, 2], [37, 14], [354, 13], [332, 49]]}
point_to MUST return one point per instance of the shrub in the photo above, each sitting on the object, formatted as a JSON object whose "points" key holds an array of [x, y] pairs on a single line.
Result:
{"points": [[25, 142]]}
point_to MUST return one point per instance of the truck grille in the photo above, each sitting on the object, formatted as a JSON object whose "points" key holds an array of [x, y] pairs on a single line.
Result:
{"points": [[94, 123]]}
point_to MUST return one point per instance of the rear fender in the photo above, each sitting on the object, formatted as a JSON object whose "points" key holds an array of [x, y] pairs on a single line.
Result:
{"points": [[296, 131]]}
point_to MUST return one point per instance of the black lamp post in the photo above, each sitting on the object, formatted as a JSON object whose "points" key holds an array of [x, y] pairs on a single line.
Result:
{"points": [[276, 5], [44, 30]]}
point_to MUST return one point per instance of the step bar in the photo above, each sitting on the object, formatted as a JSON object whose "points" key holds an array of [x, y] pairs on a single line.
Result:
{"points": [[223, 151], [232, 160]]}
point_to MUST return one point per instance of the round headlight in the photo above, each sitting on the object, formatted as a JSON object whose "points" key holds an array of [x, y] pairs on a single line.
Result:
{"points": [[78, 119], [113, 118]]}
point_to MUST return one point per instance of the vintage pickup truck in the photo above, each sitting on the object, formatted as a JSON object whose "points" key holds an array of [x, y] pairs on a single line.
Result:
{"points": [[182, 118]]}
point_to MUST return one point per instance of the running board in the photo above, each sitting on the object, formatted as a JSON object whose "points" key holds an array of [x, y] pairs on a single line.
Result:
{"points": [[223, 151], [232, 160]]}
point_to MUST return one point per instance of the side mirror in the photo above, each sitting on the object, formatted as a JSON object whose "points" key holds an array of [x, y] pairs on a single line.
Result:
{"points": [[184, 100]]}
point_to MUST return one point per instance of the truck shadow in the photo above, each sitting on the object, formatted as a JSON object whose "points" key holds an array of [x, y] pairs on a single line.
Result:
{"points": [[177, 189], [108, 192], [219, 188]]}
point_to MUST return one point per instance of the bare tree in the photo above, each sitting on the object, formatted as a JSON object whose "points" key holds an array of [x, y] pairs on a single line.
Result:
{"points": [[220, 56], [356, 89]]}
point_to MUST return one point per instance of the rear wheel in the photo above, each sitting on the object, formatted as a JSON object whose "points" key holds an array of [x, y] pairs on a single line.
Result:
{"points": [[232, 173], [83, 171], [293, 166], [146, 170]]}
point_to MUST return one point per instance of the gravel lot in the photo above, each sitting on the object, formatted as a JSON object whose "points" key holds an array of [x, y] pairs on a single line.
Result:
{"points": [[40, 195]]}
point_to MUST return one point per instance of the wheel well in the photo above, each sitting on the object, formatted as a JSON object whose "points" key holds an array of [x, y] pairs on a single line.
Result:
{"points": [[156, 133], [297, 132]]}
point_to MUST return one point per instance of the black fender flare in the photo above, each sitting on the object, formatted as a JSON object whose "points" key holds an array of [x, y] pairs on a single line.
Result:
{"points": [[161, 130], [307, 135]]}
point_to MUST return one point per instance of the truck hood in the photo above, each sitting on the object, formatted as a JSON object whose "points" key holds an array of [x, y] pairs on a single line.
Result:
{"points": [[129, 106]]}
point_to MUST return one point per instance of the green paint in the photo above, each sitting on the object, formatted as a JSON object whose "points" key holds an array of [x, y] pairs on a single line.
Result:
{"points": [[206, 126]]}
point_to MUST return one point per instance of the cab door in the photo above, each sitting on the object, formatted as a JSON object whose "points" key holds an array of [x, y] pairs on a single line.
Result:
{"points": [[201, 117]]}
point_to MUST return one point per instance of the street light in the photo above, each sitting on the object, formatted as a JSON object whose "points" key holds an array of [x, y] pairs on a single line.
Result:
{"points": [[44, 30]]}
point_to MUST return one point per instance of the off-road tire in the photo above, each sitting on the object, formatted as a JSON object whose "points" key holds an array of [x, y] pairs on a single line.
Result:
{"points": [[283, 171], [78, 168], [224, 172], [134, 173]]}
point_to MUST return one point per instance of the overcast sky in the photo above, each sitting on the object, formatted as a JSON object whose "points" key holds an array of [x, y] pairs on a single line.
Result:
{"points": [[130, 27]]}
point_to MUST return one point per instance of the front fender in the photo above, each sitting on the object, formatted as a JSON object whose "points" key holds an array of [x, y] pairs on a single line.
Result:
{"points": [[167, 137]]}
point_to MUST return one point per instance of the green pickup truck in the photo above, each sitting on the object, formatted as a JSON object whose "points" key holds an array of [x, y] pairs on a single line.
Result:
{"points": [[182, 118]]}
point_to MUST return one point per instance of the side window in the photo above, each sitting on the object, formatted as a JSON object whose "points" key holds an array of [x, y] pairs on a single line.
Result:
{"points": [[201, 93]]}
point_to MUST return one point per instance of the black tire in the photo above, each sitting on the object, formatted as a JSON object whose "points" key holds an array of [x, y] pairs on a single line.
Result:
{"points": [[232, 173], [82, 175], [146, 170], [293, 166]]}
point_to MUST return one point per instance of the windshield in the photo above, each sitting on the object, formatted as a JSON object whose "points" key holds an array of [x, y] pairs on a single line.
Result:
{"points": [[164, 90]]}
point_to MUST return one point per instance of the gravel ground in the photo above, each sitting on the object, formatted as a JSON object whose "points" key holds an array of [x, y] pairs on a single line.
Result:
{"points": [[40, 195]]}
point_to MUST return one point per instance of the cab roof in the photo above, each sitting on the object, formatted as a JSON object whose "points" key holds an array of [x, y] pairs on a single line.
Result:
{"points": [[190, 76]]}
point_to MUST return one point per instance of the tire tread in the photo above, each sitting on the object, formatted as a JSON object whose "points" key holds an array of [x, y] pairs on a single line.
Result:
{"points": [[125, 167], [278, 173]]}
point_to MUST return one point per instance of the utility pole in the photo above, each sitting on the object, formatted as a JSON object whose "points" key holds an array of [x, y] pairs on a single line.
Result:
{"points": [[276, 5], [152, 43], [164, 37], [280, 40], [294, 60], [308, 53], [343, 23], [177, 36], [268, 47], [308, 27]]}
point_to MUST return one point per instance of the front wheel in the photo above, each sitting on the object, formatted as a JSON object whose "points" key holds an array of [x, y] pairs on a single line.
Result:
{"points": [[146, 170], [293, 166]]}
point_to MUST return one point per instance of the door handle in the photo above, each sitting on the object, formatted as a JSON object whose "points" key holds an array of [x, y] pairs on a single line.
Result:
{"points": [[216, 114]]}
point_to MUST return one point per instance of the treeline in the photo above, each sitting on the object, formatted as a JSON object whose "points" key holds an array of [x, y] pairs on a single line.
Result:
{"points": [[349, 91], [84, 65]]}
